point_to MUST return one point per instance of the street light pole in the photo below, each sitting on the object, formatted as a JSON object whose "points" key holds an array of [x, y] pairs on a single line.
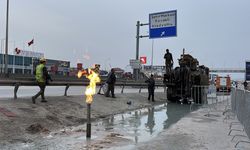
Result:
{"points": [[6, 39], [2, 52]]}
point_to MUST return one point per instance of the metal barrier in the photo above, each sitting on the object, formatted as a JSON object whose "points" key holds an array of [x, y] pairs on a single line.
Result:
{"points": [[67, 82], [199, 94], [203, 96], [240, 105]]}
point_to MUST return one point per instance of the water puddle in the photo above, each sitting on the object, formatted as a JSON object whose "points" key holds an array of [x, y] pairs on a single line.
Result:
{"points": [[144, 124], [128, 128]]}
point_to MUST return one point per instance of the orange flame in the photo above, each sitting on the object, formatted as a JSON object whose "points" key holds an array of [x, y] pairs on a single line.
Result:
{"points": [[81, 73], [91, 88]]}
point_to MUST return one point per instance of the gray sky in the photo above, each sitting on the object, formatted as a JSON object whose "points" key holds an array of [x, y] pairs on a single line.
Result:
{"points": [[216, 32]]}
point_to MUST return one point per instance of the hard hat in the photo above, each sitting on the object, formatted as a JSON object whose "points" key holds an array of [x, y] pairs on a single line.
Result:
{"points": [[42, 59]]}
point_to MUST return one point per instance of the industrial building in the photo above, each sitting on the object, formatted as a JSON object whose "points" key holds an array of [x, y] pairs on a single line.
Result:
{"points": [[26, 65]]}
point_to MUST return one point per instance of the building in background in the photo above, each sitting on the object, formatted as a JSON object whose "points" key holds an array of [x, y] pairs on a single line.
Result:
{"points": [[27, 64]]}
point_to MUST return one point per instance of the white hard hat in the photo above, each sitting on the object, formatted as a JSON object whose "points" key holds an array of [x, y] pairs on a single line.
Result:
{"points": [[42, 59]]}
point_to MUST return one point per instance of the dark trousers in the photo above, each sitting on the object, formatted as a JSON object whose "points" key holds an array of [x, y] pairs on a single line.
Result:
{"points": [[111, 88], [42, 86], [169, 66], [151, 92]]}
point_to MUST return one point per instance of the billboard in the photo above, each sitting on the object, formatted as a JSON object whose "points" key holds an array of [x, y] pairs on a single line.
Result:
{"points": [[247, 75]]}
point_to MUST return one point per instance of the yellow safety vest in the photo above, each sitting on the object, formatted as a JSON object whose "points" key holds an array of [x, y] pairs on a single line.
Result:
{"points": [[39, 73]]}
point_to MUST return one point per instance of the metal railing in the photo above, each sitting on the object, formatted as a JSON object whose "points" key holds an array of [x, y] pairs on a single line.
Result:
{"points": [[203, 95], [199, 94], [18, 81], [240, 104]]}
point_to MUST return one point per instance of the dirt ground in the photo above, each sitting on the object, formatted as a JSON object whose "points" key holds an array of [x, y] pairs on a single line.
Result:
{"points": [[29, 121], [59, 124]]}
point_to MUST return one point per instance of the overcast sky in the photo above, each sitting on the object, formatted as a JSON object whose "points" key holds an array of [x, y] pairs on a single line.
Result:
{"points": [[216, 32]]}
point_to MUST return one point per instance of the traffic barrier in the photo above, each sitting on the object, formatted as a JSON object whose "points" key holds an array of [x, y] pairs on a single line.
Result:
{"points": [[204, 96], [199, 94], [67, 82], [240, 105]]}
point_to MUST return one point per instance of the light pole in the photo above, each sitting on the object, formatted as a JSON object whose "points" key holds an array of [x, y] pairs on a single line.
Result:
{"points": [[2, 52], [6, 39]]}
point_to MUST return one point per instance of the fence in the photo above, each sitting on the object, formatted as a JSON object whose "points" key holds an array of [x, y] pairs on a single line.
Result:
{"points": [[240, 103], [203, 94]]}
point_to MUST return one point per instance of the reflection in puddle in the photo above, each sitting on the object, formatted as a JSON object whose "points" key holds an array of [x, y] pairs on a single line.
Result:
{"points": [[144, 124]]}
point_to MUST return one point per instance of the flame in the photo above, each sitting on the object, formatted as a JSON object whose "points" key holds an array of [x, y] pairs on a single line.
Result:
{"points": [[91, 88], [81, 73]]}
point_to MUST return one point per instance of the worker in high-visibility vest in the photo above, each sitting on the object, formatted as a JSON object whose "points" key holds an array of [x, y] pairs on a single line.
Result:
{"points": [[42, 78]]}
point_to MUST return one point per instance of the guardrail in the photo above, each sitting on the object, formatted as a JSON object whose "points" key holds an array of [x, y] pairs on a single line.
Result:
{"points": [[18, 81]]}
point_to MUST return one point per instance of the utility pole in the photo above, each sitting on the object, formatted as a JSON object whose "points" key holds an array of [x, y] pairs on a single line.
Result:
{"points": [[6, 39]]}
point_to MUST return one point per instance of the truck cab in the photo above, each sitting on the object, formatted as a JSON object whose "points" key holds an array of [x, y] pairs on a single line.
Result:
{"points": [[223, 84]]}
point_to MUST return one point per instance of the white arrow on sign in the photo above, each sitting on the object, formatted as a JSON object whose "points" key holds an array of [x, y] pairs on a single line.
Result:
{"points": [[163, 33]]}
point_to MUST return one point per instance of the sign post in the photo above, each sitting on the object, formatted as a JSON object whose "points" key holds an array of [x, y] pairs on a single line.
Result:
{"points": [[136, 72], [163, 24]]}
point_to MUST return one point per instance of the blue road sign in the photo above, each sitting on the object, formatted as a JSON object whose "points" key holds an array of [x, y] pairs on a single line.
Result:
{"points": [[163, 24], [247, 70]]}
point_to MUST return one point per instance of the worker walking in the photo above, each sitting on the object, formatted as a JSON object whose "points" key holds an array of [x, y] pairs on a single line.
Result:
{"points": [[151, 87], [168, 60], [42, 78]]}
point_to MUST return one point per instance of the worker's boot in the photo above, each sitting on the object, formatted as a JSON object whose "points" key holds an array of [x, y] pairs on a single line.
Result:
{"points": [[33, 99], [43, 100]]}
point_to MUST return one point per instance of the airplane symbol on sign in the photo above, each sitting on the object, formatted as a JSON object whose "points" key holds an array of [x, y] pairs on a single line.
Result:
{"points": [[163, 33]]}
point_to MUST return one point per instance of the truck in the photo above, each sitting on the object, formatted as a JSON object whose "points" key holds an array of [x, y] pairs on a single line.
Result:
{"points": [[223, 84], [183, 82]]}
